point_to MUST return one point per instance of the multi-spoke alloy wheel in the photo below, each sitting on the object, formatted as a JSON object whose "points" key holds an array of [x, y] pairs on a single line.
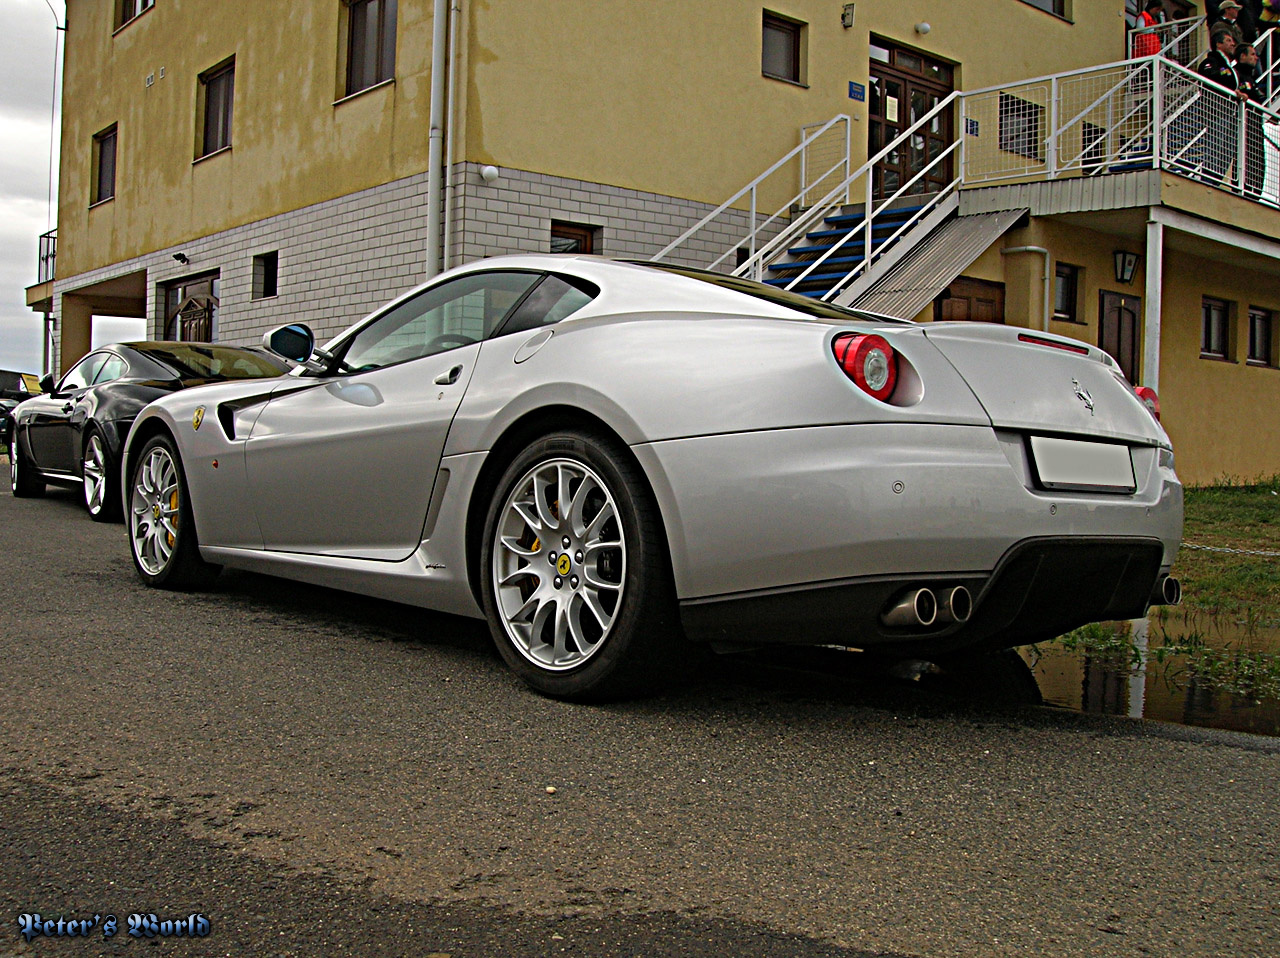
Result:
{"points": [[154, 510], [576, 578], [99, 490], [560, 564], [162, 535]]}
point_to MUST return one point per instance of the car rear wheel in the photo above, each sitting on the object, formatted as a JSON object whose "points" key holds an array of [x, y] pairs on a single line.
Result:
{"points": [[22, 479], [577, 581], [162, 532], [100, 497]]}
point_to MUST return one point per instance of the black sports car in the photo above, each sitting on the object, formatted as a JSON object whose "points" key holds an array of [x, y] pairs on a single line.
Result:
{"points": [[71, 435]]}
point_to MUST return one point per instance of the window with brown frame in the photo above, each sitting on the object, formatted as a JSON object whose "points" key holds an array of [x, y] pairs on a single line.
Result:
{"points": [[1059, 8], [1260, 338], [1215, 319], [127, 10], [218, 88], [104, 166], [1066, 293], [782, 48], [571, 238], [371, 43]]}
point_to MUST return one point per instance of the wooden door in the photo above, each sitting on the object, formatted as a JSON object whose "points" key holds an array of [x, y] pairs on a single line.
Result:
{"points": [[1118, 330], [905, 86], [975, 300]]}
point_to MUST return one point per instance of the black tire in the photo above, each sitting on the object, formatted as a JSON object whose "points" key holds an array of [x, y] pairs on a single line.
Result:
{"points": [[100, 483], [166, 555], [622, 568], [22, 476]]}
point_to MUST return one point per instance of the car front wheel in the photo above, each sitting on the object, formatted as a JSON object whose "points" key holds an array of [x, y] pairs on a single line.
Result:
{"points": [[577, 581], [22, 479], [100, 497], [162, 531]]}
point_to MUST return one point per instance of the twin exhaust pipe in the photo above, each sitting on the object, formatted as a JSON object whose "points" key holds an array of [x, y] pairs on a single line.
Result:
{"points": [[921, 608], [1168, 591]]}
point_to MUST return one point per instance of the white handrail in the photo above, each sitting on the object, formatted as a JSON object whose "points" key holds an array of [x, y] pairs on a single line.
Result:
{"points": [[819, 210], [750, 188]]}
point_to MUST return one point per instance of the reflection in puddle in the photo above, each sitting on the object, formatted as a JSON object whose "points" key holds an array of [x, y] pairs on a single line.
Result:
{"points": [[1181, 667]]}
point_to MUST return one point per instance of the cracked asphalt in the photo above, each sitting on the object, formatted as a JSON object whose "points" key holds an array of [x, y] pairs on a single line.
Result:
{"points": [[321, 773]]}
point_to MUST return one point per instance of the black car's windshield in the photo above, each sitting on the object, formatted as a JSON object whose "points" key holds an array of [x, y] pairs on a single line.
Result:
{"points": [[200, 361], [770, 294]]}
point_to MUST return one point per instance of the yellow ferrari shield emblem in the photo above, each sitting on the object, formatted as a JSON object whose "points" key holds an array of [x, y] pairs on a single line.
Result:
{"points": [[198, 417], [564, 565]]}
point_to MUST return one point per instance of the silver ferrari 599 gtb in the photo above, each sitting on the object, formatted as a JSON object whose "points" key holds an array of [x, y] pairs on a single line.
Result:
{"points": [[610, 461]]}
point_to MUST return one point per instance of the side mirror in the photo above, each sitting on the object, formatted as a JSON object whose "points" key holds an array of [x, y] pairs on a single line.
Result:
{"points": [[294, 342], [46, 383]]}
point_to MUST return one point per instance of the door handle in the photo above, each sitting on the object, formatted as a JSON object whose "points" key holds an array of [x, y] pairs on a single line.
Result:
{"points": [[449, 378]]}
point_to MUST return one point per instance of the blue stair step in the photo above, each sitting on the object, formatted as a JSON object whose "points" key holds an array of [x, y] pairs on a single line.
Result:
{"points": [[847, 219], [849, 261], [827, 278]]}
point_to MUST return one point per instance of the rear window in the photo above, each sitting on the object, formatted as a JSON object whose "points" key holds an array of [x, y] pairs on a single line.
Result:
{"points": [[771, 294], [196, 361]]}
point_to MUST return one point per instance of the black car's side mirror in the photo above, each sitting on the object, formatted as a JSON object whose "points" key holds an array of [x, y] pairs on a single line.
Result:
{"points": [[294, 342], [46, 383]]}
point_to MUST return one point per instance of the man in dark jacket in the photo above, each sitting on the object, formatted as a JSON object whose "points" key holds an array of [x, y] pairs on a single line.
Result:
{"points": [[1246, 83], [1218, 113]]}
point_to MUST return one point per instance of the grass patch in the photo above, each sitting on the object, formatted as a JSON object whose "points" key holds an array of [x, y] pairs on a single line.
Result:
{"points": [[1243, 588]]}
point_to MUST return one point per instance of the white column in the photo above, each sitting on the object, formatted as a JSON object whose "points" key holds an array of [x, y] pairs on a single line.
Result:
{"points": [[1151, 333]]}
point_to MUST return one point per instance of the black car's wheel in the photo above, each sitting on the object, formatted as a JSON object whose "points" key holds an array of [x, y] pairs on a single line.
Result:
{"points": [[162, 532], [101, 499], [22, 477], [577, 581]]}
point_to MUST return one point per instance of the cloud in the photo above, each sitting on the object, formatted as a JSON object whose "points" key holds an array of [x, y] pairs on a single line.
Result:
{"points": [[26, 58]]}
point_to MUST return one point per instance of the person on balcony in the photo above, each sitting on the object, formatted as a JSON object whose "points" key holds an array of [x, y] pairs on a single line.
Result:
{"points": [[1217, 115], [1148, 44], [1241, 21], [1247, 88]]}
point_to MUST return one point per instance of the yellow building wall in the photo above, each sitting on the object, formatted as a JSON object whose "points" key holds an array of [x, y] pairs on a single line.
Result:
{"points": [[668, 95], [1221, 415], [291, 146], [663, 96]]}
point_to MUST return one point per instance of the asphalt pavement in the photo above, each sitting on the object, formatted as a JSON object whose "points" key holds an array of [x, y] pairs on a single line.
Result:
{"points": [[320, 773]]}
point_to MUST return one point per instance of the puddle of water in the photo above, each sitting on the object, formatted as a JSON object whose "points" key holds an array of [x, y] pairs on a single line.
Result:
{"points": [[1185, 668]]}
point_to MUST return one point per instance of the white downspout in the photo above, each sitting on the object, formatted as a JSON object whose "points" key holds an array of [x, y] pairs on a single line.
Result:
{"points": [[446, 257], [1151, 334], [1046, 296], [435, 145]]}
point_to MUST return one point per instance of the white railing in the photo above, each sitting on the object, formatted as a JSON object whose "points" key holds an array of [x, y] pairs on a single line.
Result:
{"points": [[820, 165], [874, 211], [1136, 114], [1149, 113], [1179, 40]]}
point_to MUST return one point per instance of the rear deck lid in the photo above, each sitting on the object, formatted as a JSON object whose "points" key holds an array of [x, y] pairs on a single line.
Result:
{"points": [[1037, 383]]}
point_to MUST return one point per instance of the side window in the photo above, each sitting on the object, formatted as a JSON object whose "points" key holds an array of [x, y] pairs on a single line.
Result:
{"points": [[113, 368], [82, 373], [457, 313], [555, 298]]}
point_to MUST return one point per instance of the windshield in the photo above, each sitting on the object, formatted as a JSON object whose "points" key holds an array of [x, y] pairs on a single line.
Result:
{"points": [[199, 361], [771, 294]]}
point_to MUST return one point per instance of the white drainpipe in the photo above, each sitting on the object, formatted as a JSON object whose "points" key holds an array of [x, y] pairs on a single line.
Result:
{"points": [[446, 257], [1045, 297], [435, 146]]}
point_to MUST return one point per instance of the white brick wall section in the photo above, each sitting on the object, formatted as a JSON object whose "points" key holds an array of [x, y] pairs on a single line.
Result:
{"points": [[341, 259]]}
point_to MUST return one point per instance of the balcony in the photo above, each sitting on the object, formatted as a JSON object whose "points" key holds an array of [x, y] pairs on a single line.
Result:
{"points": [[48, 254]]}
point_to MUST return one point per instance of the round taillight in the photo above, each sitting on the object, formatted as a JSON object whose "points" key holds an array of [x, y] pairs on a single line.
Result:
{"points": [[869, 361], [1149, 399]]}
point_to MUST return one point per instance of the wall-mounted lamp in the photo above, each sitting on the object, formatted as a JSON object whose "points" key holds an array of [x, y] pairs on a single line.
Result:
{"points": [[1126, 263], [922, 28], [489, 173], [846, 16], [182, 258]]}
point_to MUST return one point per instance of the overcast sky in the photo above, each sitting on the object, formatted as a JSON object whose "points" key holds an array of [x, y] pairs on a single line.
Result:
{"points": [[27, 30]]}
